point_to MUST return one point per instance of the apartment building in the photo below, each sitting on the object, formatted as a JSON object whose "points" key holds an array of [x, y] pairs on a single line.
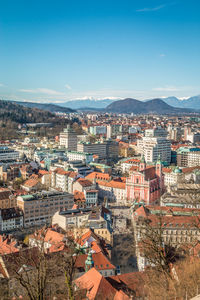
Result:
{"points": [[39, 208], [11, 219], [63, 180], [188, 157]]}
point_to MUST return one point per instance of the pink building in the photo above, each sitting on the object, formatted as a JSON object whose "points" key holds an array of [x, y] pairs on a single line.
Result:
{"points": [[145, 183]]}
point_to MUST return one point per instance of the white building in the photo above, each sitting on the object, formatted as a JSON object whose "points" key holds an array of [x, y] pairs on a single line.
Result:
{"points": [[83, 156], [155, 145], [71, 218], [11, 218]]}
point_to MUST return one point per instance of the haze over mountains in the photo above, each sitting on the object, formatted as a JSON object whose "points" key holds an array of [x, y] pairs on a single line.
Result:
{"points": [[192, 102], [158, 105]]}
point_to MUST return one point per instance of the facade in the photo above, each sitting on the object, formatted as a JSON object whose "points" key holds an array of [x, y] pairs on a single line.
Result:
{"points": [[75, 155], [8, 154], [98, 148], [182, 195], [82, 185], [71, 218], [176, 225], [7, 200], [145, 184], [154, 145], [39, 208], [87, 198], [172, 177], [11, 219], [188, 157], [68, 139]]}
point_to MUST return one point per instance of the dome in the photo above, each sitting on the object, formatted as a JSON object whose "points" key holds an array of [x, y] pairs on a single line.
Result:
{"points": [[177, 170]]}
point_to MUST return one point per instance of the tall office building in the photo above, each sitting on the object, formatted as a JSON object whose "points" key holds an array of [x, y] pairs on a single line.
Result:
{"points": [[155, 145], [68, 138]]}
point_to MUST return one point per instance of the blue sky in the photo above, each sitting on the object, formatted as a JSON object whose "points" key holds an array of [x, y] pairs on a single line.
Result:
{"points": [[58, 50]]}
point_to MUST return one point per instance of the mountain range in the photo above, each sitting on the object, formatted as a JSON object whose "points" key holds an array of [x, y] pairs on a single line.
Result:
{"points": [[192, 102]]}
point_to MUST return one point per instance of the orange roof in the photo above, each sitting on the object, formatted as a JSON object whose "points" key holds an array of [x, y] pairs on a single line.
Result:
{"points": [[31, 182], [96, 285], [43, 172], [84, 182], [98, 175], [7, 246], [117, 185], [79, 196], [166, 170], [101, 262], [132, 161], [60, 171], [54, 238]]}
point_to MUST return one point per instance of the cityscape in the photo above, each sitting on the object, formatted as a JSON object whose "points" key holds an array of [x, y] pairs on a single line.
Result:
{"points": [[100, 167]]}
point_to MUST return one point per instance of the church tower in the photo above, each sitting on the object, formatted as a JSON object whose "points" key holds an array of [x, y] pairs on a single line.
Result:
{"points": [[142, 165], [89, 264], [159, 171]]}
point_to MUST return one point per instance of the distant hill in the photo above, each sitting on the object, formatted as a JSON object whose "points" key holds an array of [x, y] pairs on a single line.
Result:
{"points": [[45, 106], [13, 112], [154, 106], [192, 102], [88, 103]]}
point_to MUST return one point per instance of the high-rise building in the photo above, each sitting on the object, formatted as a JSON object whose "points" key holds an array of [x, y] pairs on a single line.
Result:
{"points": [[68, 138], [154, 145]]}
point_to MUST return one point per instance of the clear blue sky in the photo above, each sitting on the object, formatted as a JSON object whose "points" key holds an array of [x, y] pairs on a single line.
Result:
{"points": [[52, 51]]}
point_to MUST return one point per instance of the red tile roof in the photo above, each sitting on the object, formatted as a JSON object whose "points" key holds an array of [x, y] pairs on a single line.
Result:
{"points": [[101, 262], [31, 182]]}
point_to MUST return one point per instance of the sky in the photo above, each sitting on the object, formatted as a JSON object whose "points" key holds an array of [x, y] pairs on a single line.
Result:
{"points": [[58, 50]]}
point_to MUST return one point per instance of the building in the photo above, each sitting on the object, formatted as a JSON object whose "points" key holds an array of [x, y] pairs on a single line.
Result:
{"points": [[71, 218], [9, 173], [68, 139], [8, 154], [184, 194], [87, 198], [98, 218], [172, 177], [145, 183], [63, 180], [97, 130], [7, 200], [98, 148], [176, 225], [188, 157], [83, 184], [99, 261], [75, 155], [154, 145], [119, 287], [39, 208], [11, 219]]}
